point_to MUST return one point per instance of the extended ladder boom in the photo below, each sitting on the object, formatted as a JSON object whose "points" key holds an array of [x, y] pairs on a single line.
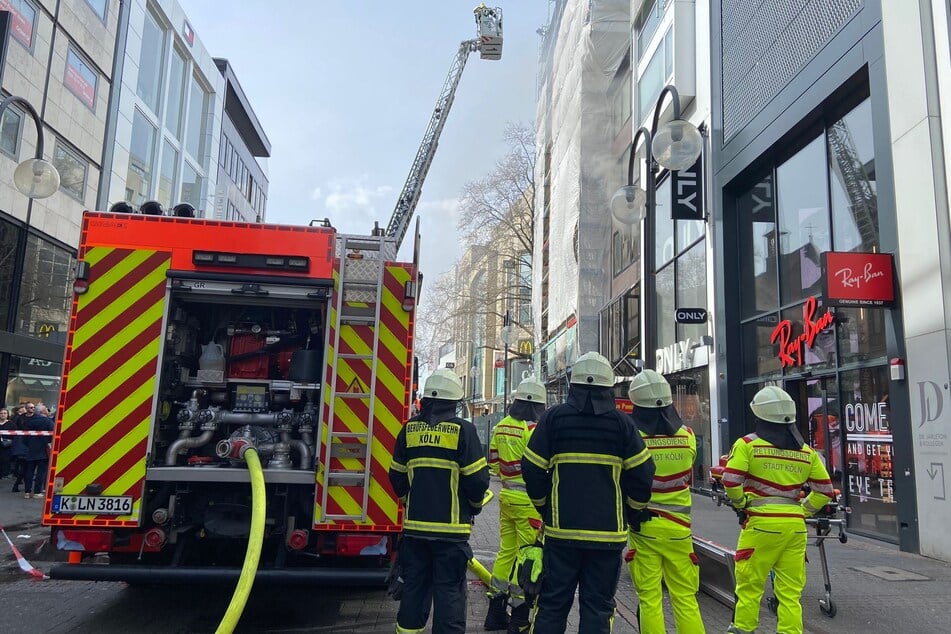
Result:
{"points": [[413, 188], [489, 44]]}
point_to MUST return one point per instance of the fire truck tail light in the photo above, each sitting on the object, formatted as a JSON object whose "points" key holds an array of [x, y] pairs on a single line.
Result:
{"points": [[297, 539], [81, 283], [155, 538], [85, 540]]}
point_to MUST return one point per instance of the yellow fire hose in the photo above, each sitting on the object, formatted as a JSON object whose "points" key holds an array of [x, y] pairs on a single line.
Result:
{"points": [[255, 540], [474, 565]]}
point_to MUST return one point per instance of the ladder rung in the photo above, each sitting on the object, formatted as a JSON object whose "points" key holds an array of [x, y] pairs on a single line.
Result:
{"points": [[357, 319], [349, 434], [362, 245], [344, 517], [351, 395], [344, 355], [347, 478], [363, 283]]}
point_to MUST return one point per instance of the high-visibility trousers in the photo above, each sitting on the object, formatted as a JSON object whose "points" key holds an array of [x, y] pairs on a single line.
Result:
{"points": [[662, 551], [770, 543], [515, 531]]}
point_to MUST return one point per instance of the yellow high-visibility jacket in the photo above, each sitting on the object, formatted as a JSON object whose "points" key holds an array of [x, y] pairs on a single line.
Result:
{"points": [[673, 459]]}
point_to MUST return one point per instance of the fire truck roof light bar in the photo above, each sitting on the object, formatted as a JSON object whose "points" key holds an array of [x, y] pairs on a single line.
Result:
{"points": [[251, 260]]}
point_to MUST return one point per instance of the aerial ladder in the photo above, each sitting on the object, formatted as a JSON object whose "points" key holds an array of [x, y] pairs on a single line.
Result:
{"points": [[489, 44]]}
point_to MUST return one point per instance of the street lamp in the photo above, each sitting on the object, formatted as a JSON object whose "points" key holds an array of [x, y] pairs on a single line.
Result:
{"points": [[676, 146], [506, 334], [35, 177]]}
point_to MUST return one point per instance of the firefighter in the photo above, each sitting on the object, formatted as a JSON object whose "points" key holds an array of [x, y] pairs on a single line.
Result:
{"points": [[440, 473], [662, 549], [509, 440], [588, 473], [763, 478]]}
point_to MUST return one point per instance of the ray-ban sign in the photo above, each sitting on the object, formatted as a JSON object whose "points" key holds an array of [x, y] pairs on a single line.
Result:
{"points": [[691, 315], [858, 279]]}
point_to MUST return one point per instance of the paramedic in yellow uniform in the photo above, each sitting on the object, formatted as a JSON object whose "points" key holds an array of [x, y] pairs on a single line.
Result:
{"points": [[662, 548], [763, 477], [509, 439]]}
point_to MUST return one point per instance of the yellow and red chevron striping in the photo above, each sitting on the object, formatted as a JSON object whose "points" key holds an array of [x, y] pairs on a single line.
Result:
{"points": [[109, 380], [391, 396]]}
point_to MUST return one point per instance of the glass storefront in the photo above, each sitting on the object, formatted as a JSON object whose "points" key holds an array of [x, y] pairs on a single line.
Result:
{"points": [[691, 392], [833, 361], [33, 380]]}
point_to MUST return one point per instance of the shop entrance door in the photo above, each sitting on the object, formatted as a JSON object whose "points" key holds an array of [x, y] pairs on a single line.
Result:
{"points": [[818, 416]]}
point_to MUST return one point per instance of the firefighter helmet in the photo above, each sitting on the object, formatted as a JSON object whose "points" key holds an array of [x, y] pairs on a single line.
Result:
{"points": [[650, 389], [532, 390], [774, 405], [444, 385], [592, 369]]}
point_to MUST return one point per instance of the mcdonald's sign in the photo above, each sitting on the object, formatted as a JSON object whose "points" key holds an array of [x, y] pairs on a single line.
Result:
{"points": [[44, 329], [525, 347]]}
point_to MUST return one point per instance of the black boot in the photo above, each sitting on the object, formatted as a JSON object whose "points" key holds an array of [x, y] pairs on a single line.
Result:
{"points": [[497, 618], [519, 624]]}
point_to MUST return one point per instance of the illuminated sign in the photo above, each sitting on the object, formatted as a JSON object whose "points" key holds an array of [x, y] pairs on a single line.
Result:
{"points": [[858, 279], [791, 347]]}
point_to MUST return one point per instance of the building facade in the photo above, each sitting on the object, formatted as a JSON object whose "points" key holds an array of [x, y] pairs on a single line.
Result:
{"points": [[59, 57], [830, 183]]}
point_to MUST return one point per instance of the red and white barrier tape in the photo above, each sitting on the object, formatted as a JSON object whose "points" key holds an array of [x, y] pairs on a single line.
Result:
{"points": [[20, 432], [25, 566]]}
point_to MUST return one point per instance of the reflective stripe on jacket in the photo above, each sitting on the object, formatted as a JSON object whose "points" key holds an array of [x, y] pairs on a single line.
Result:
{"points": [[766, 480], [440, 473], [673, 460], [509, 440]]}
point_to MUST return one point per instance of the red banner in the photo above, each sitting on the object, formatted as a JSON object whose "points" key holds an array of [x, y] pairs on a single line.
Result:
{"points": [[858, 279], [21, 26], [624, 405], [79, 86]]}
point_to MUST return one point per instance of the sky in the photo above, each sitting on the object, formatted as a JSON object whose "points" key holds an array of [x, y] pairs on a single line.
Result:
{"points": [[344, 91]]}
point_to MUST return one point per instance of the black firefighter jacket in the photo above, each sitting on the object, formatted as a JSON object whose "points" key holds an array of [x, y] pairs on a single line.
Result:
{"points": [[587, 470], [440, 472]]}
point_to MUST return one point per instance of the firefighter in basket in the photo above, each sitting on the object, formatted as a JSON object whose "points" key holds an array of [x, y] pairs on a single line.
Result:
{"points": [[589, 474], [440, 474], [763, 477], [509, 439], [662, 549]]}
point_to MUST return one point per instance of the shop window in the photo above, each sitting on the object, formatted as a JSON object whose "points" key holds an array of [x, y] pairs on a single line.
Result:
{"points": [[10, 127], [33, 380], [665, 303], [647, 23], [195, 128], [861, 334], [852, 181], [81, 79], [656, 75], [759, 353], [692, 289], [803, 221], [72, 170], [759, 283], [141, 156], [815, 353], [176, 93], [99, 7], [9, 236], [167, 173], [691, 392], [22, 20], [663, 226], [45, 291], [151, 59], [866, 421], [624, 249]]}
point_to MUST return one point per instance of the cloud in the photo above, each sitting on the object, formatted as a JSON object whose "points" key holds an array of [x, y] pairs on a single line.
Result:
{"points": [[353, 203], [317, 194]]}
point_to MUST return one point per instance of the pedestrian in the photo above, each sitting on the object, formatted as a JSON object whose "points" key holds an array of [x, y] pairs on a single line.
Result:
{"points": [[763, 478], [6, 442], [588, 473], [662, 549], [36, 459], [18, 449], [509, 439], [440, 473]]}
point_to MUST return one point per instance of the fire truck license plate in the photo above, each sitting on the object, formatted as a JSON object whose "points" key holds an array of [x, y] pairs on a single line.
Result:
{"points": [[92, 504]]}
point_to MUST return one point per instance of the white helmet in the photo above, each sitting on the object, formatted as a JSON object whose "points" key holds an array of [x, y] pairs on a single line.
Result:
{"points": [[650, 389], [774, 405], [444, 385], [531, 390], [592, 369]]}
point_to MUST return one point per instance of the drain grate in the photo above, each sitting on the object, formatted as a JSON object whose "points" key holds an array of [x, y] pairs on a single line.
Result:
{"points": [[891, 574]]}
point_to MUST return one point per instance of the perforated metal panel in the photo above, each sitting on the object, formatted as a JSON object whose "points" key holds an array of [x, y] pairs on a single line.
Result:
{"points": [[765, 43]]}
